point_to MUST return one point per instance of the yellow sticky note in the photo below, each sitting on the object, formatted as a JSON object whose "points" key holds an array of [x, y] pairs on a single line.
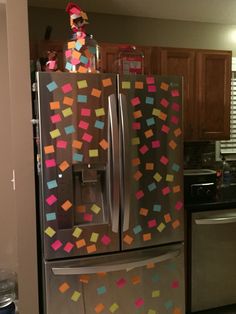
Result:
{"points": [[135, 141], [77, 144], [161, 227], [96, 92], [50, 232], [64, 165], [82, 84], [138, 85], [94, 237], [95, 208], [67, 112], [77, 232], [75, 296], [71, 44], [63, 287], [49, 149], [126, 85], [66, 205], [114, 307], [155, 293], [100, 112], [151, 311], [68, 101], [54, 105], [156, 112], [169, 178], [106, 82], [55, 133], [157, 177], [93, 152]]}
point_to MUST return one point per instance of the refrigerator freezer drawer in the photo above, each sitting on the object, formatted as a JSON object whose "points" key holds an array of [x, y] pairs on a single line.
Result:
{"points": [[148, 280]]}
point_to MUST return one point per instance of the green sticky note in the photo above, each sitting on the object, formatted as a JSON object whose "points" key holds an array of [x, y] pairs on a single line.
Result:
{"points": [[77, 232], [94, 237], [157, 177], [100, 112], [93, 153], [82, 84], [95, 208], [135, 141], [67, 112], [155, 293], [126, 85], [50, 232], [114, 307], [55, 133], [161, 227], [75, 296]]}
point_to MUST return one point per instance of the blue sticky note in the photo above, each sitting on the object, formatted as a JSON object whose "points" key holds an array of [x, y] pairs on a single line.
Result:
{"points": [[52, 86], [69, 129], [169, 304], [137, 229], [157, 208], [82, 98], [77, 157], [155, 277], [175, 167], [69, 66], [152, 186], [84, 59], [78, 45], [149, 100], [52, 184], [101, 290], [92, 50], [150, 121], [99, 124], [51, 216]]}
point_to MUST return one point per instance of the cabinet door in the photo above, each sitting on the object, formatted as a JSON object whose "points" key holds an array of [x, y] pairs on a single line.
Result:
{"points": [[213, 74], [109, 57], [175, 61]]}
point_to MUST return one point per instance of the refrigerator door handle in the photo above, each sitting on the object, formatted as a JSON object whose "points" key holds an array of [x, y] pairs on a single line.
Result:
{"points": [[114, 179], [125, 138], [215, 221], [117, 267]]}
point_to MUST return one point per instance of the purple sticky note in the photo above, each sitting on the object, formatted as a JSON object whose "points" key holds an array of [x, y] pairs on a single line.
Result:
{"points": [[51, 199], [164, 160], [155, 144], [66, 88], [164, 102], [106, 239], [178, 205], [87, 137], [152, 223], [150, 80], [139, 302], [175, 284], [139, 194], [85, 112], [152, 88], [165, 190], [175, 93], [174, 119], [143, 149], [88, 217], [61, 144], [50, 163], [55, 118], [56, 245], [165, 129], [68, 247], [135, 101], [83, 125], [136, 125], [175, 106], [121, 282]]}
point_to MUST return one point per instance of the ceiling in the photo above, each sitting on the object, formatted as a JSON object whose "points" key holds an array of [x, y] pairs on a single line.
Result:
{"points": [[212, 11]]}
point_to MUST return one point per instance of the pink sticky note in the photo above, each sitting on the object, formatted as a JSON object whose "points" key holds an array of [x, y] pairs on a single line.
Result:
{"points": [[51, 199], [56, 245], [165, 129], [135, 101], [61, 144], [87, 137], [50, 163], [152, 88], [106, 239], [165, 190], [155, 144], [175, 284], [75, 11], [88, 217], [175, 106], [83, 125], [85, 112], [178, 205], [152, 223], [174, 119], [121, 283], [52, 64], [75, 61], [143, 149], [164, 160], [139, 194], [164, 102], [175, 93], [136, 125], [150, 80], [68, 247], [68, 53], [139, 302], [55, 118], [66, 88]]}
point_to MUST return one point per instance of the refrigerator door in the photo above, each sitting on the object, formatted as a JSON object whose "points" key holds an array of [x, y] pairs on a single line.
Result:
{"points": [[149, 281], [152, 175], [80, 165]]}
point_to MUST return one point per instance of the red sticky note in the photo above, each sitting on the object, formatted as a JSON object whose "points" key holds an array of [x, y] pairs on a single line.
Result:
{"points": [[165, 190], [175, 284], [136, 125], [85, 112], [152, 88], [139, 194], [174, 119], [150, 80], [83, 125], [50, 163], [175, 106], [155, 144], [56, 245], [87, 137], [164, 160], [143, 149], [178, 205], [66, 88], [55, 118], [121, 283], [51, 199], [88, 217], [68, 247], [61, 144], [152, 223], [164, 102], [165, 129], [139, 302], [135, 101], [106, 239], [175, 93]]}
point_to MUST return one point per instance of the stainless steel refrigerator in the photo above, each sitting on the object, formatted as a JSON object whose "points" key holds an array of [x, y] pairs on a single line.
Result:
{"points": [[111, 186]]}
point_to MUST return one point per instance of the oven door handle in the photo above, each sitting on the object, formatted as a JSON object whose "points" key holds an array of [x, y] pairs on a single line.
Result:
{"points": [[215, 221]]}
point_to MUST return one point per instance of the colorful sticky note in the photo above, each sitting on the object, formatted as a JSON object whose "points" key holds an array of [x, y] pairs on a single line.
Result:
{"points": [[169, 178], [136, 125], [137, 114], [67, 112], [61, 144], [138, 85], [100, 112], [152, 187], [135, 101], [137, 229], [157, 208], [165, 129], [64, 165], [114, 307], [176, 224], [63, 287], [51, 216], [139, 194], [50, 232], [121, 282], [82, 84], [95, 208], [125, 85], [128, 239], [161, 227], [82, 98], [68, 247], [66, 205], [83, 59], [178, 205], [87, 137], [76, 54], [164, 102], [175, 167], [69, 129], [80, 243], [71, 44], [177, 132], [174, 119], [81, 209], [139, 302], [135, 141], [157, 177], [152, 223], [168, 304], [164, 86], [149, 100], [99, 308], [51, 199], [99, 124], [148, 133], [68, 66], [77, 45], [106, 240], [164, 160], [85, 112], [106, 82], [52, 86], [167, 218], [50, 163], [152, 88], [149, 166], [172, 144], [136, 161], [75, 296], [94, 237], [144, 149], [137, 175], [84, 278], [55, 133], [83, 125], [155, 293], [101, 290], [52, 184], [77, 144], [150, 80], [150, 311], [77, 232], [156, 144], [66, 88], [176, 189], [55, 118], [96, 92], [150, 121], [91, 248], [147, 236], [78, 157], [104, 144], [175, 93], [135, 280], [56, 245], [93, 153], [175, 106], [49, 149], [165, 190], [143, 211]]}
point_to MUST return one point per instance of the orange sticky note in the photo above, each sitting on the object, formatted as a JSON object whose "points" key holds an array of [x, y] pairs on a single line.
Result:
{"points": [[135, 280], [96, 92], [177, 132], [81, 209], [164, 86], [84, 278], [77, 144], [54, 105], [147, 236], [137, 114], [66, 205], [104, 144], [149, 166], [137, 175], [91, 248], [80, 243], [172, 144], [138, 85], [106, 82], [177, 311], [176, 224], [64, 165], [82, 69], [68, 101], [143, 211], [76, 54], [99, 308], [167, 218], [176, 189], [64, 287], [162, 116], [148, 133], [128, 239], [135, 161], [49, 149], [71, 44]]}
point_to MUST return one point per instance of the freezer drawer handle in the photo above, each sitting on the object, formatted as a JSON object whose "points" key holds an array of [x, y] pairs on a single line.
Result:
{"points": [[111, 268], [215, 221]]}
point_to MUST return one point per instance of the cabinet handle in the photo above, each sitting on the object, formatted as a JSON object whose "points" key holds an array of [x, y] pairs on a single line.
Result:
{"points": [[215, 221]]}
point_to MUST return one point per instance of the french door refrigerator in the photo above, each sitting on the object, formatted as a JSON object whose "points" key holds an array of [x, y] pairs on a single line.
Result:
{"points": [[111, 191]]}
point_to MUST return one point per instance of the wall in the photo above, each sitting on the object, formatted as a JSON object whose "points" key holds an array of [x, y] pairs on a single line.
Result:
{"points": [[143, 31]]}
